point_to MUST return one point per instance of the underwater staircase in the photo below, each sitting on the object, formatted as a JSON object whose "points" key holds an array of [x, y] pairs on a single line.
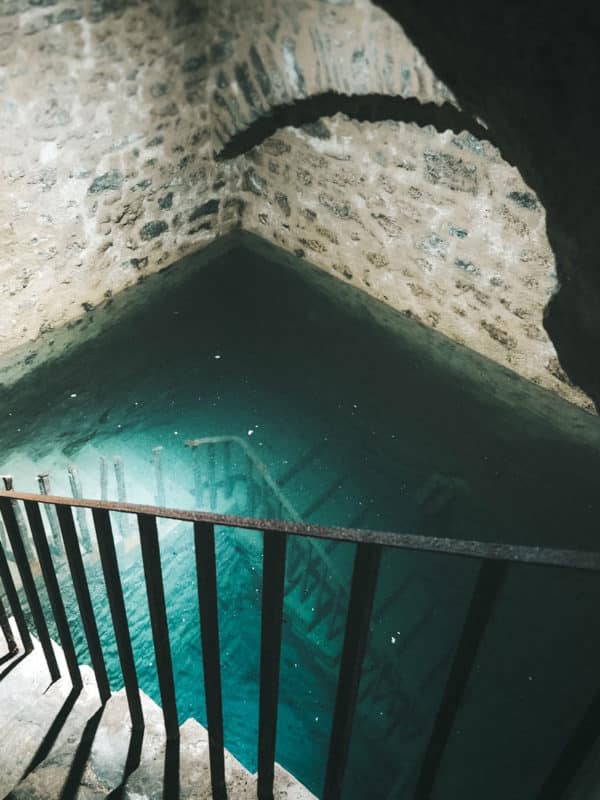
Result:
{"points": [[226, 475], [365, 666]]}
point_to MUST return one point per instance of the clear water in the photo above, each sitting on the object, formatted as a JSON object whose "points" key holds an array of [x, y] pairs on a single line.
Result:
{"points": [[247, 348]]}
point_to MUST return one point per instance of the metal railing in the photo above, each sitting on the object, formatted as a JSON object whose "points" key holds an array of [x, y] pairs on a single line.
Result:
{"points": [[494, 563]]}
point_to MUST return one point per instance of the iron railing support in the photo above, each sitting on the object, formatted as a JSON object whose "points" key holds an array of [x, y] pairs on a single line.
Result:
{"points": [[206, 571], [490, 580], [362, 595], [270, 657], [158, 621]]}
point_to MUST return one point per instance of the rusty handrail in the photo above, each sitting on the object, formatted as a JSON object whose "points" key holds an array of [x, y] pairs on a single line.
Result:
{"points": [[542, 556]]}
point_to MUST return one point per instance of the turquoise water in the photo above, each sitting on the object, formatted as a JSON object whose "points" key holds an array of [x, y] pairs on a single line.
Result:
{"points": [[245, 348]]}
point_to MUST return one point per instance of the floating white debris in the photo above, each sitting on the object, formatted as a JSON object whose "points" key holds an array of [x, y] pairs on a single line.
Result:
{"points": [[217, 356], [393, 640], [250, 432], [175, 433], [73, 394]]}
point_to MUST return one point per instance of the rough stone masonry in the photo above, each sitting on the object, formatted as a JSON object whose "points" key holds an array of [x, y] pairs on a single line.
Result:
{"points": [[113, 113]]}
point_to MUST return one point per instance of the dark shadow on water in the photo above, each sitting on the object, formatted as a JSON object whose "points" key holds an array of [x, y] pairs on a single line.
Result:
{"points": [[131, 764], [81, 756]]}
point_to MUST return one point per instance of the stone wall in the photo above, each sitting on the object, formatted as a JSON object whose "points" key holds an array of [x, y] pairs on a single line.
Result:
{"points": [[111, 113]]}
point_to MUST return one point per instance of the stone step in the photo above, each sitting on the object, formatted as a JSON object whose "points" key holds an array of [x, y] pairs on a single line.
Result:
{"points": [[92, 750], [31, 708]]}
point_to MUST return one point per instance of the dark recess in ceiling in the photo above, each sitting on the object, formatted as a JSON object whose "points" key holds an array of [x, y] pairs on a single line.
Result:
{"points": [[531, 71]]}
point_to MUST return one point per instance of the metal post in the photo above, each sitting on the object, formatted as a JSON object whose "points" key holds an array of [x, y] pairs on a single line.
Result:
{"points": [[362, 594], [54, 594], [43, 480], [270, 657], [158, 620], [84, 601], [8, 485], [204, 541], [7, 630], [3, 537], [13, 601], [159, 479], [84, 531], [114, 591], [29, 587], [490, 580]]}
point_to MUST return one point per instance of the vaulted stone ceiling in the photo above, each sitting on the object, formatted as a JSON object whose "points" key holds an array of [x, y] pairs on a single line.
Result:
{"points": [[133, 133]]}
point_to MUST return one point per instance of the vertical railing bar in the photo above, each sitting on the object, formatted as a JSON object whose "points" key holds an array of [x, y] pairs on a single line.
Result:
{"points": [[84, 601], [18, 514], [13, 600], [574, 754], [274, 549], [3, 538], [40, 541], [206, 570], [490, 580], [158, 620], [116, 601], [29, 587], [360, 605], [6, 630]]}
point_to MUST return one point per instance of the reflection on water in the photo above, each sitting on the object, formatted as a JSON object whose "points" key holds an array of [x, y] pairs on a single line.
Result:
{"points": [[341, 424]]}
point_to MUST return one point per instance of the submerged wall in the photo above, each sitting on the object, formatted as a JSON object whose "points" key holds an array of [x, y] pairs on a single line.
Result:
{"points": [[112, 113]]}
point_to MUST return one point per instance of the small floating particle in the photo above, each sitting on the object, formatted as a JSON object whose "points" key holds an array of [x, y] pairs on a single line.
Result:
{"points": [[73, 394], [250, 432], [217, 356]]}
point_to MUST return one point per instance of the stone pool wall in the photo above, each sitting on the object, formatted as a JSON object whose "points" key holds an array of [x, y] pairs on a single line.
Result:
{"points": [[112, 113]]}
